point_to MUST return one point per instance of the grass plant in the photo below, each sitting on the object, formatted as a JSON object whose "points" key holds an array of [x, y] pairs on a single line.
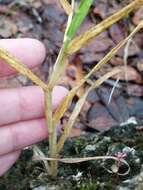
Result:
{"points": [[71, 44]]}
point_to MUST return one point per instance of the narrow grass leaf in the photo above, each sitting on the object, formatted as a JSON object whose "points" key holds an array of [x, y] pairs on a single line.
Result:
{"points": [[21, 68], [67, 7], [61, 61], [80, 41], [80, 14], [73, 24], [63, 106], [37, 152], [78, 107]]}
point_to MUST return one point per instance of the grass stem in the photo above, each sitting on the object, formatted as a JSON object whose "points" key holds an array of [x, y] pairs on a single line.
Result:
{"points": [[52, 131]]}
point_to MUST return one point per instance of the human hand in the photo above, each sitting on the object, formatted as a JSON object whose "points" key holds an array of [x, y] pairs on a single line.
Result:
{"points": [[22, 120]]}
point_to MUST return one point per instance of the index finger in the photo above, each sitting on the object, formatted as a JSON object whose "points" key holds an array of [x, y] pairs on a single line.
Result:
{"points": [[30, 52]]}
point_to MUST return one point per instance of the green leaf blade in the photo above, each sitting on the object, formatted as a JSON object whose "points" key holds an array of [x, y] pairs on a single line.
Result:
{"points": [[81, 13]]}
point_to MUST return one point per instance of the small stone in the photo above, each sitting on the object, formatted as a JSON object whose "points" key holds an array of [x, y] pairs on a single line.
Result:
{"points": [[128, 73], [90, 148], [114, 168]]}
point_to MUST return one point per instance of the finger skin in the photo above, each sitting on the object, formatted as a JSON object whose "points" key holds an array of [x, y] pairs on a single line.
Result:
{"points": [[26, 103], [30, 52], [19, 135], [6, 161]]}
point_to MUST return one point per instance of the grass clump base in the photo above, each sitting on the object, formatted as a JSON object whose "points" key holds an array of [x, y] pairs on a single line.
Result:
{"points": [[92, 175]]}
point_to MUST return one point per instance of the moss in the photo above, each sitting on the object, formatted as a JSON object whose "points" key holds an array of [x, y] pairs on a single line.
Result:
{"points": [[27, 174]]}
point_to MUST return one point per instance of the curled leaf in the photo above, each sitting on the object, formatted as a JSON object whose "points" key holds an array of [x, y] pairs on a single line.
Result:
{"points": [[78, 160]]}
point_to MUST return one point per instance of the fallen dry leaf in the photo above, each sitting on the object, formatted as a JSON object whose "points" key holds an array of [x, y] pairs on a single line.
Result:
{"points": [[117, 106], [116, 60], [140, 65], [132, 50], [138, 16], [101, 9], [9, 82], [101, 43], [75, 132], [99, 118], [130, 72], [117, 32], [7, 28], [134, 90], [92, 97], [90, 57], [23, 23], [135, 107]]}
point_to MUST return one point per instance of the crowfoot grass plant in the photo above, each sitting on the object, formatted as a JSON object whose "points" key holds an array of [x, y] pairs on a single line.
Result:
{"points": [[71, 44]]}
